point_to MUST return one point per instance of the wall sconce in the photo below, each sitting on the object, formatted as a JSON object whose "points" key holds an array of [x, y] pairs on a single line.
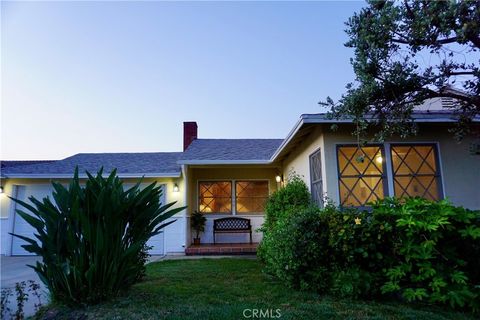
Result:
{"points": [[175, 188], [279, 178]]}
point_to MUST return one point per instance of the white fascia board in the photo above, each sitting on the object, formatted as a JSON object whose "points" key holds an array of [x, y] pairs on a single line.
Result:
{"points": [[69, 176], [419, 118], [289, 137], [202, 162]]}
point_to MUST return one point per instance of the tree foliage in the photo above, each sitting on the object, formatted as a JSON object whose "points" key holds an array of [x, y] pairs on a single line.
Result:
{"points": [[407, 52]]}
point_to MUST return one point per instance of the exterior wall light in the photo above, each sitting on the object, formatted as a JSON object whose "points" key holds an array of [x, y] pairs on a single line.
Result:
{"points": [[175, 188], [278, 178], [1, 189], [379, 159]]}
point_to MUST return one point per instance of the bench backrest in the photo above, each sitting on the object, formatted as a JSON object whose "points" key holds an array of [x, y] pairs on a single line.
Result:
{"points": [[231, 224]]}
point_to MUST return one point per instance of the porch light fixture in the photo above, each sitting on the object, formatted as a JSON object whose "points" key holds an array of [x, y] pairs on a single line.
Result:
{"points": [[278, 178], [175, 188]]}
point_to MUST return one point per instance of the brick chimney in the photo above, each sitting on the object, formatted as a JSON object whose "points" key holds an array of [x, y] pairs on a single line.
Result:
{"points": [[189, 133]]}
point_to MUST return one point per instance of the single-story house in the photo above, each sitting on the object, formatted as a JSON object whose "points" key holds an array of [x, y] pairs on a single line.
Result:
{"points": [[234, 177]]}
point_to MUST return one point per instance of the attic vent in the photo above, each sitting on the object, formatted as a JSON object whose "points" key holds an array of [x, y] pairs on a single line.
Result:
{"points": [[448, 102]]}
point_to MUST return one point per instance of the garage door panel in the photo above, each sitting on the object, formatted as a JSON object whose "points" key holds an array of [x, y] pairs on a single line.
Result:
{"points": [[21, 227], [157, 242]]}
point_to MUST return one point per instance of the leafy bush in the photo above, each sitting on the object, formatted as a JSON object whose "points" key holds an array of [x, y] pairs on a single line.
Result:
{"points": [[293, 197], [412, 248], [289, 201], [92, 239], [23, 291], [436, 250], [292, 249]]}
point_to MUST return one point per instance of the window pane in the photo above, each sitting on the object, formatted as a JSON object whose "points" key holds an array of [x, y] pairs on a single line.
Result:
{"points": [[251, 196], [415, 171], [316, 185], [215, 197], [361, 175]]}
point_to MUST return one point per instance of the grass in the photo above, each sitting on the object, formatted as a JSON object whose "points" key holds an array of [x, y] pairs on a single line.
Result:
{"points": [[224, 288]]}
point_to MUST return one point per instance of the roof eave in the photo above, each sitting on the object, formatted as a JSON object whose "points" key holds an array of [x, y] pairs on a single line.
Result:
{"points": [[69, 176], [206, 162], [289, 137]]}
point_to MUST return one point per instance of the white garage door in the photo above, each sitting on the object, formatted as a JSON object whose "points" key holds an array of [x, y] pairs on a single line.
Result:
{"points": [[20, 226], [156, 242], [40, 191]]}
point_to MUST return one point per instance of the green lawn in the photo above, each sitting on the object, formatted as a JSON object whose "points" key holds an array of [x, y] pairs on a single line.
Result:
{"points": [[224, 288]]}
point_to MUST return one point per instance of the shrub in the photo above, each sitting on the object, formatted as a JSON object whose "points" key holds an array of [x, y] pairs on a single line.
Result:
{"points": [[293, 197], [412, 248], [292, 250], [436, 252], [92, 238], [288, 201]]}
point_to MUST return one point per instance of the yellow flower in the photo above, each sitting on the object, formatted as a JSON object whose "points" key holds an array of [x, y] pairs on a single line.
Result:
{"points": [[358, 221]]}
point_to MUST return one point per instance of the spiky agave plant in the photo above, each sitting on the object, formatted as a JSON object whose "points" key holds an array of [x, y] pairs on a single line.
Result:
{"points": [[90, 238]]}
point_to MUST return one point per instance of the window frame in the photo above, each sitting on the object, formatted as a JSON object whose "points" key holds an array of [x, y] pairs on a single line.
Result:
{"points": [[231, 193], [384, 176], [321, 180], [234, 198], [234, 184], [388, 187], [436, 151]]}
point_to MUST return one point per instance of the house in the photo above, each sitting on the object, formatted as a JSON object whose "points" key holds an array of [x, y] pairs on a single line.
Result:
{"points": [[233, 177]]}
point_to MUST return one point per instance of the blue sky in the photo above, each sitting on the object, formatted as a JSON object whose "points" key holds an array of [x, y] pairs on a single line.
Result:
{"points": [[123, 76]]}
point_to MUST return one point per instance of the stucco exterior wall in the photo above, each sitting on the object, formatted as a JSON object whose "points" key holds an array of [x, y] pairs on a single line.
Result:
{"points": [[459, 169], [175, 236], [299, 162], [196, 174]]}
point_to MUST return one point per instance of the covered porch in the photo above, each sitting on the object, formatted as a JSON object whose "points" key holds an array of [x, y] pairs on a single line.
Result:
{"points": [[222, 192]]}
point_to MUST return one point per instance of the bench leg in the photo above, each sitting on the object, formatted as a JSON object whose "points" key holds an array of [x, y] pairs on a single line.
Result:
{"points": [[214, 238], [250, 236]]}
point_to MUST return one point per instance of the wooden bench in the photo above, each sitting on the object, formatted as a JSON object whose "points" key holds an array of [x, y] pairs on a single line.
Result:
{"points": [[232, 225]]}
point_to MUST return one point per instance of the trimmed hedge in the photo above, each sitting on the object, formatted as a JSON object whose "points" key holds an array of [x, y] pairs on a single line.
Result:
{"points": [[412, 249]]}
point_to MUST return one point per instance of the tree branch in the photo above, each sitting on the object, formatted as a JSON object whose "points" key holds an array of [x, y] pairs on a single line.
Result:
{"points": [[460, 73], [423, 42]]}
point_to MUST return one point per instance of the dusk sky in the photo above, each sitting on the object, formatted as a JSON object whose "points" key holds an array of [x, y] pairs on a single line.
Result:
{"points": [[123, 76]]}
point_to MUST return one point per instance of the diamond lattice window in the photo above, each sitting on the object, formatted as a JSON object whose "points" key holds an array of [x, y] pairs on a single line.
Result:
{"points": [[361, 175], [251, 196], [316, 184], [215, 197], [415, 171]]}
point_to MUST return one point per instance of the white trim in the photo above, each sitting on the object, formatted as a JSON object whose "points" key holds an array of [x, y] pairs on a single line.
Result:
{"points": [[200, 162], [82, 176], [289, 137], [389, 169], [13, 214], [440, 168], [320, 119]]}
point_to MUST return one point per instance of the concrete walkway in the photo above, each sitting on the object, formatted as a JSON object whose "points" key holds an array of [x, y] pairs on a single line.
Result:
{"points": [[13, 270]]}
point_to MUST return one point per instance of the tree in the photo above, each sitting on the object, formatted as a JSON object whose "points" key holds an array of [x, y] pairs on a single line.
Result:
{"points": [[407, 52]]}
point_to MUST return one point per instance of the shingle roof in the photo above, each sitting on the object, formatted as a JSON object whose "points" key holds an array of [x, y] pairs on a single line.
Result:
{"points": [[230, 150], [433, 116], [154, 164], [15, 163]]}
